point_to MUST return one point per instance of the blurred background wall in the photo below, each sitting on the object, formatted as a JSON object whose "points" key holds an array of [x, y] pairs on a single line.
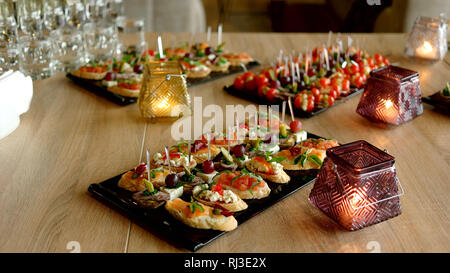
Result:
{"points": [[284, 15]]}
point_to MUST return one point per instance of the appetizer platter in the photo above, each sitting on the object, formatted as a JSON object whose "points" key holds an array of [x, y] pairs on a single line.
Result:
{"points": [[440, 99], [191, 193], [120, 80], [314, 81]]}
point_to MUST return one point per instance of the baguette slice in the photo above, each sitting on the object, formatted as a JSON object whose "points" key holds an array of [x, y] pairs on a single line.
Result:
{"points": [[288, 163], [236, 206], [282, 177], [258, 193], [219, 68], [198, 73], [89, 75], [132, 93], [180, 210]]}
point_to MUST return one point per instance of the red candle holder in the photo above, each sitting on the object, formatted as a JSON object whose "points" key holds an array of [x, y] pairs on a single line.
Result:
{"points": [[392, 95], [357, 186]]}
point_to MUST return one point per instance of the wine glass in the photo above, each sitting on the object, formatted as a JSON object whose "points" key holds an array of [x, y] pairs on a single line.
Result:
{"points": [[29, 13], [75, 14], [53, 13]]}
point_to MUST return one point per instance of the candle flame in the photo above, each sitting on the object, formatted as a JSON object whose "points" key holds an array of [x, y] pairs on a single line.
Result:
{"points": [[427, 47], [163, 104], [388, 104]]}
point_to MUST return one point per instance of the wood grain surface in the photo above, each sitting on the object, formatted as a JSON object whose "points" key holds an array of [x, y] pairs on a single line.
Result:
{"points": [[71, 138]]}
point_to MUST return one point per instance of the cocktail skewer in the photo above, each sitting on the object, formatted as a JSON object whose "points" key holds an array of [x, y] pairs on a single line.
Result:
{"points": [[167, 156], [290, 108]]}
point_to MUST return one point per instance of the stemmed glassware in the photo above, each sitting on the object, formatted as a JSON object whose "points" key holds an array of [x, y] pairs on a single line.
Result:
{"points": [[8, 37]]}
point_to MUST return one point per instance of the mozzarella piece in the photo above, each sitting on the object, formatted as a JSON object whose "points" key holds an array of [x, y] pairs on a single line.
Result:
{"points": [[173, 192], [207, 177], [300, 136]]}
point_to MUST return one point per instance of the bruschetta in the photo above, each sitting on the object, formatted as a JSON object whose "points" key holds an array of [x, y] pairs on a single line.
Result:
{"points": [[215, 195], [92, 71], [134, 180], [177, 161], [306, 155], [198, 215], [244, 184], [268, 168]]}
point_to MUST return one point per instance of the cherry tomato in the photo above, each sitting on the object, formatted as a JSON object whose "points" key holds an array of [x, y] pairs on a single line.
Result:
{"points": [[310, 105], [239, 82], [358, 81], [352, 68], [295, 126], [248, 74], [250, 83], [378, 58], [261, 80], [370, 62], [333, 93], [316, 93], [386, 61], [298, 101], [330, 101], [346, 84], [271, 93], [262, 90], [324, 82]]}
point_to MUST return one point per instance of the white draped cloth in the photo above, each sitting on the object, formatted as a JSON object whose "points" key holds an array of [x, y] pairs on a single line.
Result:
{"points": [[16, 92]]}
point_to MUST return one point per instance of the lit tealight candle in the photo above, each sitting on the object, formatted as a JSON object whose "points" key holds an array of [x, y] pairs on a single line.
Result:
{"points": [[425, 51]]}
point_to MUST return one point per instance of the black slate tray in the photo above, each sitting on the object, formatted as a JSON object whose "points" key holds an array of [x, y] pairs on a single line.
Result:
{"points": [[218, 75], [438, 101], [253, 97], [99, 89], [160, 222]]}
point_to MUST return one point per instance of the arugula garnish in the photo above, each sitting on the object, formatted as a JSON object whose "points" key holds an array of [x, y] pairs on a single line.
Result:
{"points": [[277, 159], [303, 157], [194, 205], [252, 186], [315, 159], [154, 171]]}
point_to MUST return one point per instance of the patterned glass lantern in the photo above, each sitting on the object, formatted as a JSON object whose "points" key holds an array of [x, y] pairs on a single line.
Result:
{"points": [[357, 186], [164, 91], [392, 95], [428, 38]]}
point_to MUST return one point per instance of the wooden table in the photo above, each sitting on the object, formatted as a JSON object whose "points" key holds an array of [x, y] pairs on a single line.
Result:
{"points": [[71, 138]]}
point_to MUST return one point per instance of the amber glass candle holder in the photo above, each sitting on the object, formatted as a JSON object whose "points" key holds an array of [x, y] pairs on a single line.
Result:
{"points": [[164, 91], [392, 95], [428, 39], [357, 186]]}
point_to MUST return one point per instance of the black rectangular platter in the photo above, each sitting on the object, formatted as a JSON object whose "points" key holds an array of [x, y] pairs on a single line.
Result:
{"points": [[161, 223], [253, 97], [438, 101], [99, 89], [218, 75]]}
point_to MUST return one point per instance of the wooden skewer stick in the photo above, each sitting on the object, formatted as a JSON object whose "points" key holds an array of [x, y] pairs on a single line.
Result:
{"points": [[160, 48], [208, 138], [290, 108], [189, 153], [148, 165], [167, 156], [283, 109]]}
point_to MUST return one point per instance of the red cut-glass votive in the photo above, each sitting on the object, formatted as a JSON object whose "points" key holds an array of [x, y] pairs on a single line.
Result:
{"points": [[357, 186], [392, 95]]}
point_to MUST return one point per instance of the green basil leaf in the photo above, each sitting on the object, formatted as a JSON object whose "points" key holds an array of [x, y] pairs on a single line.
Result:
{"points": [[253, 185], [315, 159], [277, 159]]}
